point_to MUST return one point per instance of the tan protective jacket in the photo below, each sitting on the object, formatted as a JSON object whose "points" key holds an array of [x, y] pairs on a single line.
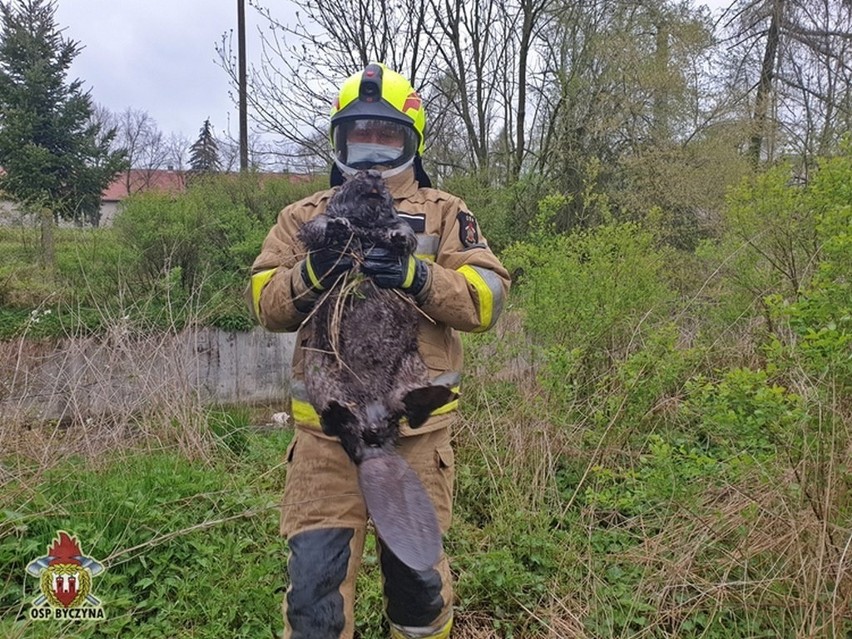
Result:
{"points": [[466, 291]]}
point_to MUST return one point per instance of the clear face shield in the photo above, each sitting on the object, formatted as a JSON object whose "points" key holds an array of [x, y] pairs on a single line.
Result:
{"points": [[383, 145]]}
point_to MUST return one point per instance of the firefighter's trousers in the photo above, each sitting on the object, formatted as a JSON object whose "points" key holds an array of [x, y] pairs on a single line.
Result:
{"points": [[324, 519]]}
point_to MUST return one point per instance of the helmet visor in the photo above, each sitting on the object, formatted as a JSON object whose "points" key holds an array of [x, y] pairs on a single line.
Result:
{"points": [[364, 144]]}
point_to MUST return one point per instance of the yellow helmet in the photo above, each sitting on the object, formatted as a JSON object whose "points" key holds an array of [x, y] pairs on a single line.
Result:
{"points": [[381, 101]]}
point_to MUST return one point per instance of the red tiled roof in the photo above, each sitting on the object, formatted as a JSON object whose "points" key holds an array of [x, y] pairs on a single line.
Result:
{"points": [[136, 180]]}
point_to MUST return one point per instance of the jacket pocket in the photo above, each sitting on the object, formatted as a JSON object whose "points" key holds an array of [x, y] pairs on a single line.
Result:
{"points": [[446, 458], [291, 451], [442, 491], [432, 346]]}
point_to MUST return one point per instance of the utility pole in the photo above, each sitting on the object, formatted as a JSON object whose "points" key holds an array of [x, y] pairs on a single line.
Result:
{"points": [[241, 45]]}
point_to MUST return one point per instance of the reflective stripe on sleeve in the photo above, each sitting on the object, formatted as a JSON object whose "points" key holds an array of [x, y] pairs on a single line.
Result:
{"points": [[315, 282], [427, 247], [303, 412], [449, 407], [489, 290], [258, 281], [410, 272]]}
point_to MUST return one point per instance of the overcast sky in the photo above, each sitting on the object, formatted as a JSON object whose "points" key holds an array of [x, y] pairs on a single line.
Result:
{"points": [[159, 56]]}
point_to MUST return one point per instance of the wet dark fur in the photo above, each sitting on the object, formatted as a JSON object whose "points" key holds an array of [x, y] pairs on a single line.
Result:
{"points": [[363, 372]]}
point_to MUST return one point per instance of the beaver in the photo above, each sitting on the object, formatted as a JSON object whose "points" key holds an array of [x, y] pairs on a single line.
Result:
{"points": [[363, 371]]}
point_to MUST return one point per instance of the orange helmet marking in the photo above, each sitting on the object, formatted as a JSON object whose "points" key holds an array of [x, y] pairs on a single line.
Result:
{"points": [[413, 101]]}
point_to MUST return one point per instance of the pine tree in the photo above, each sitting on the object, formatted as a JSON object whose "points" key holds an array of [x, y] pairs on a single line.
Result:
{"points": [[204, 153], [56, 159]]}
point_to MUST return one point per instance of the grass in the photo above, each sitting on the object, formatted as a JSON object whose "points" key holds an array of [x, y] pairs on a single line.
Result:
{"points": [[191, 547], [563, 528]]}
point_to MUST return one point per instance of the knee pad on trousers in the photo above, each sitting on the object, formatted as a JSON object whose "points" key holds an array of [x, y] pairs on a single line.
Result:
{"points": [[317, 567], [413, 596]]}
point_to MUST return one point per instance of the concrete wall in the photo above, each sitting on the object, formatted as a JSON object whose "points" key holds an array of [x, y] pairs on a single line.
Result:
{"points": [[77, 377], [12, 215]]}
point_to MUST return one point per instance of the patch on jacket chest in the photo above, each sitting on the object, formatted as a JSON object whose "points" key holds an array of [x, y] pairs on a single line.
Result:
{"points": [[417, 221]]}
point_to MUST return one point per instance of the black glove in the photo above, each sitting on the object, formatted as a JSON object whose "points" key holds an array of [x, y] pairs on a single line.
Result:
{"points": [[392, 271], [324, 266]]}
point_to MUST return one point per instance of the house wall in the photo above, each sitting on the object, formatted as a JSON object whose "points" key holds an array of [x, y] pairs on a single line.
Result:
{"points": [[10, 214], [108, 212]]}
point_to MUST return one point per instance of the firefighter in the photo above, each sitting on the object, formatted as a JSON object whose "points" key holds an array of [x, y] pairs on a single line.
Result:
{"points": [[377, 122]]}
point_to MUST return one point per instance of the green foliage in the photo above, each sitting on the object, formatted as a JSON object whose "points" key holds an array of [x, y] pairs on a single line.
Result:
{"points": [[508, 579], [46, 323], [821, 316], [587, 294], [369, 602], [743, 413], [703, 403], [780, 266], [52, 154], [193, 232], [263, 195], [725, 431], [505, 213], [678, 191], [168, 260], [772, 226], [189, 548], [231, 426], [200, 242]]}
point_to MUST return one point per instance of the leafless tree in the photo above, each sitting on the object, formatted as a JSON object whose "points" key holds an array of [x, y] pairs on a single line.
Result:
{"points": [[794, 56], [302, 63], [177, 152], [143, 142], [469, 60]]}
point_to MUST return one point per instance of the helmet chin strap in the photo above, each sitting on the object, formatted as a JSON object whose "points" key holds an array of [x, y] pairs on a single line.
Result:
{"points": [[388, 173]]}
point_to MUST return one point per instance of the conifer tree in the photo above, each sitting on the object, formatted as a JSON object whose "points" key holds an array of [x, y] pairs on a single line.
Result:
{"points": [[204, 153], [56, 158]]}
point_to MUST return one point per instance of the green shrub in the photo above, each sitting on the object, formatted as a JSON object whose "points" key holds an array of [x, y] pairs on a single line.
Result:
{"points": [[261, 195], [505, 213], [771, 227], [821, 316], [587, 296], [743, 414]]}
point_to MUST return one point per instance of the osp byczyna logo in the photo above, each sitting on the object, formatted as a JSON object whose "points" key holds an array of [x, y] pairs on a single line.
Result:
{"points": [[65, 580]]}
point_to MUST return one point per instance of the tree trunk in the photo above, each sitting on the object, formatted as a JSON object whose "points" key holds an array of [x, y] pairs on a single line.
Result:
{"points": [[523, 53], [660, 121], [764, 85], [48, 257]]}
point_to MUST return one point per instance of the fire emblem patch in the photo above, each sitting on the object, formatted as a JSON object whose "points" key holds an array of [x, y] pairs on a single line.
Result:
{"points": [[65, 580], [468, 229]]}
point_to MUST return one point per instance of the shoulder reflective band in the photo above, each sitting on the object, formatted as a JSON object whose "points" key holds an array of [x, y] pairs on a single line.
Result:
{"points": [[489, 289], [305, 415], [258, 281]]}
